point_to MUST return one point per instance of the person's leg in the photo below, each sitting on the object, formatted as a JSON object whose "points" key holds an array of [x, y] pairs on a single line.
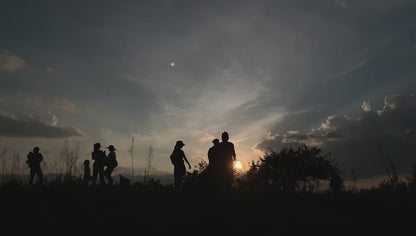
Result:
{"points": [[107, 174], [110, 179], [32, 175], [40, 175], [101, 174], [230, 174], [94, 175], [177, 182]]}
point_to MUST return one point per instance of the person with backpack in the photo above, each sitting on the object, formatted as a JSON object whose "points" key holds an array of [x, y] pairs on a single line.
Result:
{"points": [[177, 158], [99, 158], [111, 164], [34, 159], [214, 164]]}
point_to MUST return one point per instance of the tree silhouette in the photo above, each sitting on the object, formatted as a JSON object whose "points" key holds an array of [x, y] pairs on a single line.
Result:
{"points": [[198, 177], [295, 169], [150, 156]]}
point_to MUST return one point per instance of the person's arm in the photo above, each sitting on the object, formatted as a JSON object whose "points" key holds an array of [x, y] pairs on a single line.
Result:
{"points": [[186, 160], [233, 154], [210, 155], [40, 157]]}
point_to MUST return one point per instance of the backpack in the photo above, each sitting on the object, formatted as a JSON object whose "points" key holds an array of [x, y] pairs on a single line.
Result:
{"points": [[176, 157], [29, 160], [171, 158]]}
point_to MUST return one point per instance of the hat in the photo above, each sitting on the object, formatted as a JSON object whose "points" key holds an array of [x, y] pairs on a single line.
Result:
{"points": [[111, 147], [179, 143]]}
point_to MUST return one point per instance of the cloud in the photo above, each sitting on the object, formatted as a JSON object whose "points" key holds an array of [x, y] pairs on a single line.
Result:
{"points": [[363, 143], [35, 126], [10, 62], [20, 99], [239, 69], [366, 106], [206, 138], [64, 104], [341, 3]]}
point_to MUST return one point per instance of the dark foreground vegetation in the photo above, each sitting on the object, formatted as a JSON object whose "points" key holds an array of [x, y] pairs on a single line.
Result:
{"points": [[277, 196], [138, 210]]}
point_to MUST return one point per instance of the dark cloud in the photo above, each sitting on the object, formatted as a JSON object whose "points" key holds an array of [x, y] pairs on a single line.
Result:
{"points": [[247, 67], [365, 143], [30, 126]]}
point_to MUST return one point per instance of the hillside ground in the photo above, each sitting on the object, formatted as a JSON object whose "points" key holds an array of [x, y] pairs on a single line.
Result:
{"points": [[160, 210]]}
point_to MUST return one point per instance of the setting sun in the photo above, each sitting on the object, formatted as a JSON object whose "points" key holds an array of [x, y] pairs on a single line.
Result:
{"points": [[238, 165]]}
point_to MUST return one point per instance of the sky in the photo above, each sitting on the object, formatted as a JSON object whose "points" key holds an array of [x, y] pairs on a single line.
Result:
{"points": [[339, 74]]}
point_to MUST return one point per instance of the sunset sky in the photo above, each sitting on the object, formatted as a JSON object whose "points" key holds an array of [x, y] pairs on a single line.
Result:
{"points": [[335, 73]]}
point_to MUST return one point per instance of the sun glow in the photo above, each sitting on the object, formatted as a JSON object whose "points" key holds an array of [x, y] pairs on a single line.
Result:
{"points": [[238, 165]]}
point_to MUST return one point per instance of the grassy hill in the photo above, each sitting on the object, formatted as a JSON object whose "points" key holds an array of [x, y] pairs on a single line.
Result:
{"points": [[71, 209]]}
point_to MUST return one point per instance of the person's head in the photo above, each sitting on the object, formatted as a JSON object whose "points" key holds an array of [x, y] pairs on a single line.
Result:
{"points": [[36, 149], [86, 163], [179, 144], [224, 137], [215, 141], [97, 146], [111, 148]]}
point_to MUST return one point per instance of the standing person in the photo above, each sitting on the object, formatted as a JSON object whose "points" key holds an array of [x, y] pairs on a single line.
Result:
{"points": [[33, 160], [177, 158], [213, 168], [112, 163], [87, 173], [99, 158], [228, 156]]}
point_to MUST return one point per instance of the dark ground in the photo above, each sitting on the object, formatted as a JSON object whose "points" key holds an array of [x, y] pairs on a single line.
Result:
{"points": [[73, 210]]}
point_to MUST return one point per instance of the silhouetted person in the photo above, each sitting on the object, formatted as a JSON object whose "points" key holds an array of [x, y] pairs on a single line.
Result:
{"points": [[214, 163], [213, 153], [33, 160], [87, 173], [177, 158], [112, 163], [227, 157], [99, 158]]}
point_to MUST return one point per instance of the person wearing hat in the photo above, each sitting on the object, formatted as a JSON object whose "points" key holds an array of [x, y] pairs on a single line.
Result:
{"points": [[112, 163], [177, 158], [213, 162]]}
